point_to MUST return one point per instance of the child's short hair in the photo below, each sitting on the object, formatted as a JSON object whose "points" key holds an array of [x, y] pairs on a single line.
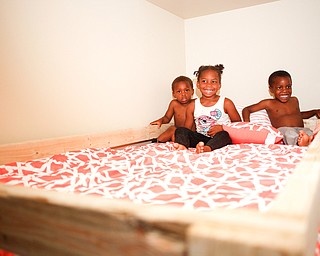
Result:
{"points": [[182, 79], [218, 68], [279, 73]]}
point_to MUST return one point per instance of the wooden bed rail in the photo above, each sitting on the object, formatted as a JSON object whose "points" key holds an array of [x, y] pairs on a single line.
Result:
{"points": [[51, 223], [39, 222], [42, 148]]}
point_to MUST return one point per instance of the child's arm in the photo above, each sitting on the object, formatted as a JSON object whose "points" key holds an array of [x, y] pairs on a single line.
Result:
{"points": [[253, 108], [310, 113], [231, 110], [167, 116], [233, 114]]}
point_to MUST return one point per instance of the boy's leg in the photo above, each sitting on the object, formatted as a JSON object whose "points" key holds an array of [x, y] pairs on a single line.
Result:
{"points": [[167, 135], [308, 131], [219, 140], [290, 135]]}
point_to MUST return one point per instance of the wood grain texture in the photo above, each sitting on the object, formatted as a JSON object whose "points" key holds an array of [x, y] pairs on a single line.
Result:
{"points": [[41, 222], [42, 148], [45, 223]]}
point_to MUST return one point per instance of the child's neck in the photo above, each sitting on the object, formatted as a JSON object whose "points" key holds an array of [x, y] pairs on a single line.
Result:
{"points": [[209, 101]]}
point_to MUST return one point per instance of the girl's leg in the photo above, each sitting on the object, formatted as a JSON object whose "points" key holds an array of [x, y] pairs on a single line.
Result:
{"points": [[219, 140], [188, 138], [182, 136]]}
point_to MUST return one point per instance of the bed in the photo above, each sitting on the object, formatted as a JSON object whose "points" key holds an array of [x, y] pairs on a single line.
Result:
{"points": [[119, 194]]}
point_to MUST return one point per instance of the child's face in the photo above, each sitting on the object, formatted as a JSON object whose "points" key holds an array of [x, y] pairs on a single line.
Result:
{"points": [[208, 83], [282, 88], [183, 92]]}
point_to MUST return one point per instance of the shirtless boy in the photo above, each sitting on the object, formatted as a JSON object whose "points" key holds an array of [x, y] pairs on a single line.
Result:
{"points": [[283, 110], [182, 91]]}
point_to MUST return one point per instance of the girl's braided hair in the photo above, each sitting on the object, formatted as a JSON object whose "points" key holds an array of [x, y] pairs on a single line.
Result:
{"points": [[218, 68]]}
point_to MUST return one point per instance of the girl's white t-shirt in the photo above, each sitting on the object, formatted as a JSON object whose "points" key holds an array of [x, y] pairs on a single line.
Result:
{"points": [[205, 117]]}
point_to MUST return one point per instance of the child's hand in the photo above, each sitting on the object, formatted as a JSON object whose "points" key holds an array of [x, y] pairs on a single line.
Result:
{"points": [[157, 122], [214, 129]]}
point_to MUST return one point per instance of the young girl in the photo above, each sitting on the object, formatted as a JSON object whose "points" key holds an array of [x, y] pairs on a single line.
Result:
{"points": [[209, 113]]}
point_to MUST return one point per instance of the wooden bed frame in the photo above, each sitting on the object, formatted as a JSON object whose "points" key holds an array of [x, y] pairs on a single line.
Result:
{"points": [[41, 222]]}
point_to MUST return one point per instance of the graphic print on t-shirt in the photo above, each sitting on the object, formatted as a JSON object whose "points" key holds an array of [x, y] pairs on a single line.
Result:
{"points": [[204, 122]]}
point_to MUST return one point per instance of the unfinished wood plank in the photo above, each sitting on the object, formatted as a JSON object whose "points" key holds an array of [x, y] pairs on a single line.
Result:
{"points": [[42, 148], [246, 240], [301, 196], [31, 218], [42, 223]]}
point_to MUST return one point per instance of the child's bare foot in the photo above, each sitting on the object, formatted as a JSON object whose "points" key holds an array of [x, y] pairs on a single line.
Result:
{"points": [[178, 146], [304, 139], [200, 147]]}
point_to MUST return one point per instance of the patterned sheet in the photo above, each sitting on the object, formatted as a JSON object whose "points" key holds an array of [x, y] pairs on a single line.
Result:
{"points": [[242, 175]]}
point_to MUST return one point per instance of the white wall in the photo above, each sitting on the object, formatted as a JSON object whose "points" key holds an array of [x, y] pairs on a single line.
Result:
{"points": [[253, 42], [72, 67]]}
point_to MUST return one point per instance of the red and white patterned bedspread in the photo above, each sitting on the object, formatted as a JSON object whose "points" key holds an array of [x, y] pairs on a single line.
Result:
{"points": [[243, 175]]}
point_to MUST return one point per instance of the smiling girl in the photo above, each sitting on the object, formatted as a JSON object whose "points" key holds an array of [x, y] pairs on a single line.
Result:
{"points": [[209, 113]]}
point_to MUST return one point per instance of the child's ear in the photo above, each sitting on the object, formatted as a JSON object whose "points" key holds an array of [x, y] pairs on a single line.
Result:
{"points": [[271, 93]]}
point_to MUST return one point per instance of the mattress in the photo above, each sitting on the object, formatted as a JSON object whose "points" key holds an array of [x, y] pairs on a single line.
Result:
{"points": [[236, 176], [242, 175]]}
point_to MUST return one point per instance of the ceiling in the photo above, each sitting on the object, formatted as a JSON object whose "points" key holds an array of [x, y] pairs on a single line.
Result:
{"points": [[193, 8]]}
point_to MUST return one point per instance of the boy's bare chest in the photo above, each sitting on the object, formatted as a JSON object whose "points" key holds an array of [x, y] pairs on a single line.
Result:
{"points": [[180, 111], [288, 108]]}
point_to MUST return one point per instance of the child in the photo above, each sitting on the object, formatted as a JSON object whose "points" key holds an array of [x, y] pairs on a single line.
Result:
{"points": [[209, 113], [283, 110], [182, 91]]}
